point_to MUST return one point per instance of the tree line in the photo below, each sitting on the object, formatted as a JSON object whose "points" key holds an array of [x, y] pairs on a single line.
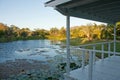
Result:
{"points": [[87, 32], [13, 33]]}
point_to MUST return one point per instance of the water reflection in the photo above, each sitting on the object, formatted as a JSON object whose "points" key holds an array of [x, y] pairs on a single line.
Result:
{"points": [[31, 49]]}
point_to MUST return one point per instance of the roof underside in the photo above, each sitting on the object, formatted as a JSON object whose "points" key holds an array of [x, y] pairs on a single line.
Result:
{"points": [[99, 10]]}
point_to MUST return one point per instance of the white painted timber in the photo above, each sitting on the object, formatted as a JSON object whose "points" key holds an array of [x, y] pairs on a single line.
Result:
{"points": [[56, 2], [109, 69]]}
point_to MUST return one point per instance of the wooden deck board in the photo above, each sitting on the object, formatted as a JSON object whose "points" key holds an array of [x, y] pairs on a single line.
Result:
{"points": [[109, 69]]}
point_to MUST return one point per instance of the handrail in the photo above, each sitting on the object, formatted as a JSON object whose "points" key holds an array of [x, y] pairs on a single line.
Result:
{"points": [[95, 44], [84, 45], [96, 51]]}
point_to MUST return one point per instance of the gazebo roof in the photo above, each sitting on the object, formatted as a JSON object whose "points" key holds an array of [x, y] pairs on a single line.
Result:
{"points": [[99, 10]]}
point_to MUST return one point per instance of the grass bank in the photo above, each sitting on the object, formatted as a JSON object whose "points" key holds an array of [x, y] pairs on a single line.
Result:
{"points": [[79, 41]]}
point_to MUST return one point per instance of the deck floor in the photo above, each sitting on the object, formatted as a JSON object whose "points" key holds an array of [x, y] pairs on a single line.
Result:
{"points": [[109, 69]]}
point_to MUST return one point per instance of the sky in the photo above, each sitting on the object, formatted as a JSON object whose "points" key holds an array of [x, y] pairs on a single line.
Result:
{"points": [[33, 14]]}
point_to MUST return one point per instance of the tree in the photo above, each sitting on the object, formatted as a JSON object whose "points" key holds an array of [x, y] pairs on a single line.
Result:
{"points": [[62, 33], [98, 31], [54, 32], [24, 33], [3, 27], [3, 30], [41, 33], [88, 32], [75, 32], [108, 32], [15, 30]]}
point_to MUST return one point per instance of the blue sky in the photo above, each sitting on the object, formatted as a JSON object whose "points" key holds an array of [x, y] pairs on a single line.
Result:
{"points": [[33, 14]]}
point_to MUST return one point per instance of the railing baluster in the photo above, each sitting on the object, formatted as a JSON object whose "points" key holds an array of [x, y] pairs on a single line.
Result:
{"points": [[90, 65], [114, 40], [102, 52], [83, 59], [94, 47], [109, 49]]}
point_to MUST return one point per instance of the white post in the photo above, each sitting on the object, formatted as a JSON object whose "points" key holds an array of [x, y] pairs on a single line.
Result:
{"points": [[102, 52], [90, 73], [114, 39], [109, 49], [68, 43], [83, 59], [94, 47]]}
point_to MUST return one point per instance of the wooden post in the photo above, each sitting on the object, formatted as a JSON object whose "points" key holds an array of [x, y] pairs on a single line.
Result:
{"points": [[114, 39], [68, 43], [90, 73], [109, 49], [94, 47], [83, 59], [102, 52]]}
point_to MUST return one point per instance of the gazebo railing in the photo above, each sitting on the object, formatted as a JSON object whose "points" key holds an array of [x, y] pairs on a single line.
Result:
{"points": [[91, 49], [104, 48]]}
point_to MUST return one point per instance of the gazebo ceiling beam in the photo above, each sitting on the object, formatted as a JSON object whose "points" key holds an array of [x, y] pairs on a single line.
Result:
{"points": [[104, 10], [89, 16], [99, 10], [109, 14], [100, 15], [100, 5], [79, 2]]}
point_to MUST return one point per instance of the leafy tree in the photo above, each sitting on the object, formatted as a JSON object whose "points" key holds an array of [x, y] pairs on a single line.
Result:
{"points": [[41, 33], [3, 27], [75, 32], [108, 32], [98, 31], [54, 32], [88, 32], [24, 33], [62, 33], [15, 30]]}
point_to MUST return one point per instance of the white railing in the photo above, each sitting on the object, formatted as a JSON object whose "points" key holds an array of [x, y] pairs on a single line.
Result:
{"points": [[92, 52], [101, 49]]}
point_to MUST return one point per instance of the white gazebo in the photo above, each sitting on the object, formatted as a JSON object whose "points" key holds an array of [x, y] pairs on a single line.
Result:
{"points": [[107, 11]]}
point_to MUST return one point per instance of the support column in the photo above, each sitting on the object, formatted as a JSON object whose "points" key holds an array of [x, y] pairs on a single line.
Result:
{"points": [[90, 72], [83, 59], [109, 49], [94, 48], [102, 55], [114, 39], [68, 43]]}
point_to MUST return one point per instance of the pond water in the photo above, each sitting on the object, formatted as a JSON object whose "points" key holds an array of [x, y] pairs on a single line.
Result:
{"points": [[30, 49]]}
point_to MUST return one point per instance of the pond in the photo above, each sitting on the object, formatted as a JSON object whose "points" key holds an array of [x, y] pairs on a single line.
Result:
{"points": [[41, 59], [30, 49]]}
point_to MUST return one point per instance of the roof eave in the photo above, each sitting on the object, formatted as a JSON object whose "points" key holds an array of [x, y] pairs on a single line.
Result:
{"points": [[54, 3]]}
